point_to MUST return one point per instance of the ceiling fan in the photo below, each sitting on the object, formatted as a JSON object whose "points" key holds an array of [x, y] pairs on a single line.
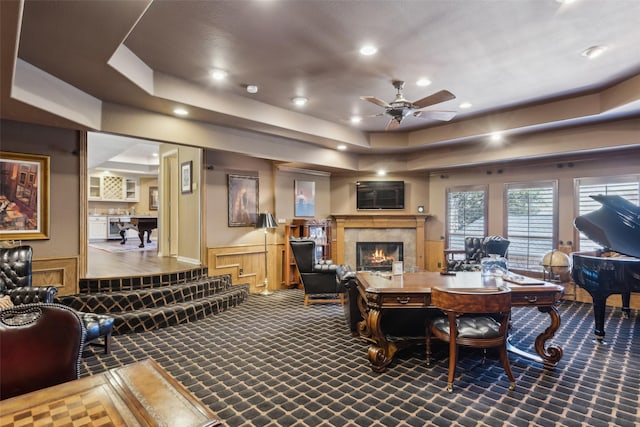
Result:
{"points": [[400, 108]]}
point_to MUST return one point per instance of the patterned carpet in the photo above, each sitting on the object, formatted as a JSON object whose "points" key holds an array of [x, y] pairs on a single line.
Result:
{"points": [[273, 362]]}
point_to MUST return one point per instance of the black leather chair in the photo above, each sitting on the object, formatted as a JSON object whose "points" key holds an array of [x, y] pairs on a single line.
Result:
{"points": [[41, 347], [15, 281], [352, 313], [476, 248], [15, 277], [318, 277]]}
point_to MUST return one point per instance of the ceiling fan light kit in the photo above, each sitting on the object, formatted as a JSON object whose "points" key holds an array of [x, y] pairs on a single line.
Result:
{"points": [[400, 108]]}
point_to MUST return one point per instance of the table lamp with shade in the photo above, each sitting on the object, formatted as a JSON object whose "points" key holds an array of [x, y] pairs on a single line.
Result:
{"points": [[266, 221]]}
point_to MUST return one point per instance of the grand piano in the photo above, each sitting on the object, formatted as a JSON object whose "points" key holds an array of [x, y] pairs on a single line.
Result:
{"points": [[614, 269]]}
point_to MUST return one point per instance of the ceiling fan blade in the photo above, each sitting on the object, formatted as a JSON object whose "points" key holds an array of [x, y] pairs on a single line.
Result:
{"points": [[393, 123], [436, 98], [376, 101], [442, 115]]}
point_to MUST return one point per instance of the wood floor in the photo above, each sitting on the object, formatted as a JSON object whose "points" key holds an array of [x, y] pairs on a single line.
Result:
{"points": [[102, 264]]}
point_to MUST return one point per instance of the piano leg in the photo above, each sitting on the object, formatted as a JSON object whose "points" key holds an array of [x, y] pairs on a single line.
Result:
{"points": [[141, 236], [123, 233], [599, 308], [626, 300]]}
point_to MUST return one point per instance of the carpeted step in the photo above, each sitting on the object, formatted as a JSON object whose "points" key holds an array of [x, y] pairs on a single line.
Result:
{"points": [[141, 282], [172, 314], [123, 301]]}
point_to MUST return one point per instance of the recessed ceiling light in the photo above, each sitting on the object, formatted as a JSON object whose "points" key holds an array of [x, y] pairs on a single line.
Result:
{"points": [[180, 111], [219, 74], [466, 105], [299, 101], [356, 119], [252, 88], [423, 81], [381, 172], [341, 147], [368, 50], [594, 51], [496, 137]]}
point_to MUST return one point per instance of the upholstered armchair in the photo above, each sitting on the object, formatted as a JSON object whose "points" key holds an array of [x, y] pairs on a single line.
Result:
{"points": [[476, 248], [15, 277], [318, 277], [41, 347], [352, 314]]}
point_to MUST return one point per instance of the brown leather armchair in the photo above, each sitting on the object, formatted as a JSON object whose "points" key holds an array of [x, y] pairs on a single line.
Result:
{"points": [[318, 277], [41, 347], [15, 277]]}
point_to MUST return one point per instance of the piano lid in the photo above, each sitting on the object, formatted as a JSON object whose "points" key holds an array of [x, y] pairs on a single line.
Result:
{"points": [[616, 225]]}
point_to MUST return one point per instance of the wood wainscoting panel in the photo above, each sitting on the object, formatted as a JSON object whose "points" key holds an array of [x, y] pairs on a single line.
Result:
{"points": [[434, 255], [246, 265], [61, 272]]}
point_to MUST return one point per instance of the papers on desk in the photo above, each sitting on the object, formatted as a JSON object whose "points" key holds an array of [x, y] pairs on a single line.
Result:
{"points": [[521, 280]]}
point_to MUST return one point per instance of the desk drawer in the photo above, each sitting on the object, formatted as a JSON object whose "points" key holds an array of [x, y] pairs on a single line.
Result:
{"points": [[404, 300], [535, 298]]}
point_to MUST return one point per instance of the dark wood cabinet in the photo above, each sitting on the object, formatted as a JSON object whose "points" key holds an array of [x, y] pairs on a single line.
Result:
{"points": [[318, 230]]}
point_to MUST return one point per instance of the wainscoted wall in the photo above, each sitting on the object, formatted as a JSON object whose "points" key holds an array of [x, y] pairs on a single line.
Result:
{"points": [[61, 272], [246, 264]]}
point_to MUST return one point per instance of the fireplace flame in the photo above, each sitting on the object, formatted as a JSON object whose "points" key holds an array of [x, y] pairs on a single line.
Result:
{"points": [[378, 256]]}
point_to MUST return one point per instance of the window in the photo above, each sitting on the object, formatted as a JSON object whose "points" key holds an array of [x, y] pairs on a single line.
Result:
{"points": [[466, 214], [532, 228], [627, 187]]}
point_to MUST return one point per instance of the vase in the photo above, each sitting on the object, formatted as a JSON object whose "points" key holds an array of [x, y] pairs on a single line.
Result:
{"points": [[494, 266]]}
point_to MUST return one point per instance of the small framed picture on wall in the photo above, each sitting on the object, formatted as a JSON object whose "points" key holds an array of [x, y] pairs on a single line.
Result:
{"points": [[305, 198], [185, 174]]}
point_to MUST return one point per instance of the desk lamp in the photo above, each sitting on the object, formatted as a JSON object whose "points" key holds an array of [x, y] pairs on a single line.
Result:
{"points": [[266, 221]]}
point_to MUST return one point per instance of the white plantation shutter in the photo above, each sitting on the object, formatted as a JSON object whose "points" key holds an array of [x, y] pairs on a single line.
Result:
{"points": [[531, 224], [466, 214], [627, 187]]}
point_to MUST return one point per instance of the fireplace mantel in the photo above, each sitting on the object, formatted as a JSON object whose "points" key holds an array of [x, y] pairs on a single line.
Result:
{"points": [[380, 220]]}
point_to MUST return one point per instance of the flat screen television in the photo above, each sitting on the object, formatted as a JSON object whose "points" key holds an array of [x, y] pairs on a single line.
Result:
{"points": [[380, 195]]}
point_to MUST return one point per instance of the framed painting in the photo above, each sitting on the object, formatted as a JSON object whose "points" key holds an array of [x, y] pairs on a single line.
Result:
{"points": [[153, 198], [243, 200], [305, 198], [185, 177], [24, 196]]}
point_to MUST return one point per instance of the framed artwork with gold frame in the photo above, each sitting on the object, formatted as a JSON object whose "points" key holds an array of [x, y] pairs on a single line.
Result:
{"points": [[24, 196]]}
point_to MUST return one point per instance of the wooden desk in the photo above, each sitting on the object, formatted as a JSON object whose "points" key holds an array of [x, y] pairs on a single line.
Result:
{"points": [[139, 394], [380, 293]]}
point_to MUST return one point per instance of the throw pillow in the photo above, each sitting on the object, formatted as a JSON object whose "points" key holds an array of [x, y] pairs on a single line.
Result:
{"points": [[5, 302]]}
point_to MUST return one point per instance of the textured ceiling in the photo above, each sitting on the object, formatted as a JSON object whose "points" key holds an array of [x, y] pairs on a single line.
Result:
{"points": [[498, 55]]}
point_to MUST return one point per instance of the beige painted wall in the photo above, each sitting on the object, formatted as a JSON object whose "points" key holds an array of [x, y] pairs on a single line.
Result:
{"points": [[189, 208], [334, 194], [564, 174], [62, 146]]}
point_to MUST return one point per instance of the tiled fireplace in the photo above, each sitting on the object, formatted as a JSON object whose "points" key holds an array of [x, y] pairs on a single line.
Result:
{"points": [[380, 228], [378, 256]]}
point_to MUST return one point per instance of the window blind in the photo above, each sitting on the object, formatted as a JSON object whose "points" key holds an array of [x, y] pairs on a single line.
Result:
{"points": [[466, 215], [627, 187], [531, 223]]}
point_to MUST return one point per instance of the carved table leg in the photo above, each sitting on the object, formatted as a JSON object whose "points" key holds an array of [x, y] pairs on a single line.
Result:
{"points": [[381, 351], [548, 356]]}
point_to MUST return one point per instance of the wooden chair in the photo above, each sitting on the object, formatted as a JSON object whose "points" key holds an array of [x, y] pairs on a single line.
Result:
{"points": [[474, 318]]}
